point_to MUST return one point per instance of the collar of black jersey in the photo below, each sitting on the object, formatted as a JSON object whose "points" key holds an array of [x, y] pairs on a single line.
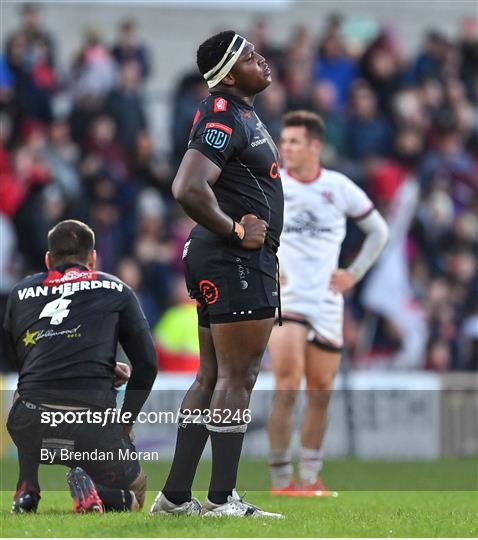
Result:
{"points": [[63, 267], [231, 97]]}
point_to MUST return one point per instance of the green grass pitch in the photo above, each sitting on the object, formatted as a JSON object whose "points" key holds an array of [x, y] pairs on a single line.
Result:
{"points": [[407, 499]]}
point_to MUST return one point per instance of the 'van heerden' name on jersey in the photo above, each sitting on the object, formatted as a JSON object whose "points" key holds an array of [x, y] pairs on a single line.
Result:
{"points": [[68, 288]]}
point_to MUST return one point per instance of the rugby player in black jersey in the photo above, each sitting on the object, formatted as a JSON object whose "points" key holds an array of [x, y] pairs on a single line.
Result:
{"points": [[229, 183], [62, 329]]}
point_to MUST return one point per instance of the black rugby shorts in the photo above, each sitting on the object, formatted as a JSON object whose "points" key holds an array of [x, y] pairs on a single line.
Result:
{"points": [[230, 283]]}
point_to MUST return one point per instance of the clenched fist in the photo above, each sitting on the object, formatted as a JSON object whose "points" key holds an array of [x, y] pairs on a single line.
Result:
{"points": [[255, 231]]}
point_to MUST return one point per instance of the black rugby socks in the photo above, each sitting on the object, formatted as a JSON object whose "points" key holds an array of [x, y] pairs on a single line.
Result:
{"points": [[226, 442], [190, 443]]}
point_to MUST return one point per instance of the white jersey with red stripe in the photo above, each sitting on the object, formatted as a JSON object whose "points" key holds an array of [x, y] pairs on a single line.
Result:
{"points": [[315, 215]]}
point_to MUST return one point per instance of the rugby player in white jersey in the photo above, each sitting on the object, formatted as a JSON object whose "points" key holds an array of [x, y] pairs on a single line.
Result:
{"points": [[318, 202]]}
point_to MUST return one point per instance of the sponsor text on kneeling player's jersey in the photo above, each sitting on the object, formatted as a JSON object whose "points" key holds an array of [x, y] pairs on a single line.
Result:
{"points": [[315, 215]]}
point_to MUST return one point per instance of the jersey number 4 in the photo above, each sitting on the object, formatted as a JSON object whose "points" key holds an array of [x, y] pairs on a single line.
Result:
{"points": [[57, 310]]}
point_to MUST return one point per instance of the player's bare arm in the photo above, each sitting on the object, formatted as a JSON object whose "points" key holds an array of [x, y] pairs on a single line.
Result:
{"points": [[192, 189]]}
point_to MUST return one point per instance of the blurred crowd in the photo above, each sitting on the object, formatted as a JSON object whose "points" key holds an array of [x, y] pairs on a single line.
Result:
{"points": [[76, 142]]}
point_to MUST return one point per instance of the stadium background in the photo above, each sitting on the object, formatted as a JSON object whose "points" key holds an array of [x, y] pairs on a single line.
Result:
{"points": [[94, 118]]}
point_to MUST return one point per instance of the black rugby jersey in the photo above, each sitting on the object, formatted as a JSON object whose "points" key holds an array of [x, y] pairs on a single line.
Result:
{"points": [[228, 132], [64, 327]]}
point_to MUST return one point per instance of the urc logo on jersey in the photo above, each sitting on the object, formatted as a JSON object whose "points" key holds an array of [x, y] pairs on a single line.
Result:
{"points": [[217, 135], [274, 171]]}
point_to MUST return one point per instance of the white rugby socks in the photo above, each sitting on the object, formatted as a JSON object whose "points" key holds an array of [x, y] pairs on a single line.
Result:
{"points": [[281, 468], [310, 464]]}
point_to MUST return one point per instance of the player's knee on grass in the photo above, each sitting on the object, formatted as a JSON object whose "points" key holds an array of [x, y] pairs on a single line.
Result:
{"points": [[138, 487]]}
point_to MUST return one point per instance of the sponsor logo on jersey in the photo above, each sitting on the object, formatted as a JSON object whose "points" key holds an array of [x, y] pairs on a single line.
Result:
{"points": [[274, 171], [72, 275], [258, 143], [328, 196], [70, 333], [209, 291], [220, 104], [306, 223], [29, 338], [217, 135], [32, 338]]}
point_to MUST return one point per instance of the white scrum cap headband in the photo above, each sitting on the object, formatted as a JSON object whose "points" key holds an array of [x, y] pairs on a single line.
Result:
{"points": [[222, 68]]}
